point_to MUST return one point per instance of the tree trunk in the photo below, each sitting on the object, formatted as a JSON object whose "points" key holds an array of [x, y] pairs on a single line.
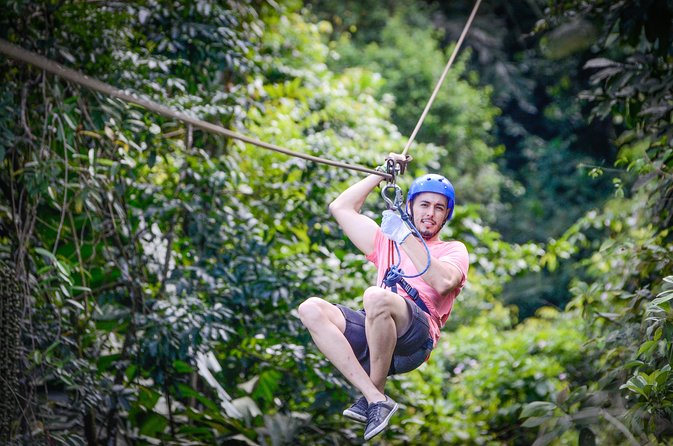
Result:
{"points": [[10, 330]]}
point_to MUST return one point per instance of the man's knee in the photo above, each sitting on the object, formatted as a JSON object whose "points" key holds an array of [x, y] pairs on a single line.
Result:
{"points": [[311, 312], [377, 302]]}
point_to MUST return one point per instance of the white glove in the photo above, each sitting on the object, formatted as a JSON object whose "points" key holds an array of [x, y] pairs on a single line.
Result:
{"points": [[394, 227]]}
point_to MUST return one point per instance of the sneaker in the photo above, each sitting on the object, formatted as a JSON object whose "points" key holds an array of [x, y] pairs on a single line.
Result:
{"points": [[378, 415], [358, 411]]}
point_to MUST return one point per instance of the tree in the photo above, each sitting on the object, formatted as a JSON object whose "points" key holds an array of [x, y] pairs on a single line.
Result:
{"points": [[626, 300]]}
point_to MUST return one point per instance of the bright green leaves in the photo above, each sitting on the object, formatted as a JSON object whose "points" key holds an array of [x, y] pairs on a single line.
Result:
{"points": [[148, 398], [652, 386], [630, 328], [488, 371], [267, 384], [457, 130], [151, 424], [652, 380]]}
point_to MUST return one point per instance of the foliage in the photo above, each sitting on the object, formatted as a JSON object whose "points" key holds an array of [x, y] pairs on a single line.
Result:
{"points": [[10, 345], [623, 319], [133, 255], [475, 386], [461, 120], [167, 263], [161, 267], [625, 299], [631, 79], [549, 147]]}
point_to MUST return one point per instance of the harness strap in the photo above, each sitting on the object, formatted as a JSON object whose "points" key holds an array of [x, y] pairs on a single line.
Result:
{"points": [[393, 277], [413, 293]]}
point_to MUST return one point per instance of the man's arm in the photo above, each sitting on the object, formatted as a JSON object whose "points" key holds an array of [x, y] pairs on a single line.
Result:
{"points": [[360, 229], [442, 276]]}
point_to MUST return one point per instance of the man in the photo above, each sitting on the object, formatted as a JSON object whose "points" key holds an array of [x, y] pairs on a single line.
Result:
{"points": [[393, 333]]}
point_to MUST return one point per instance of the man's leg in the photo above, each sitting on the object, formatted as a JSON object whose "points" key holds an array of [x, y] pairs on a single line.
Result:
{"points": [[388, 317], [327, 325]]}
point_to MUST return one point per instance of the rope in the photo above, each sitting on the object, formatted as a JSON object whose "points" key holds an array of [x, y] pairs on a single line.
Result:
{"points": [[52, 67], [441, 79]]}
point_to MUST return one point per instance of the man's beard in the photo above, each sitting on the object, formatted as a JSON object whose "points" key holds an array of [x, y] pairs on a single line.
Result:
{"points": [[427, 235]]}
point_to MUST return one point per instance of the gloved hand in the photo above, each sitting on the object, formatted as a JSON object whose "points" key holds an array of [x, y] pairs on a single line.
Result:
{"points": [[394, 227]]}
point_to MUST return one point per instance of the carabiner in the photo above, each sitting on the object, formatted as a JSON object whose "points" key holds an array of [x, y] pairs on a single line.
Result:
{"points": [[396, 202]]}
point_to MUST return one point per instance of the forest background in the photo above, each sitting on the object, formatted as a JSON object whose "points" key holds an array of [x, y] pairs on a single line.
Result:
{"points": [[150, 274]]}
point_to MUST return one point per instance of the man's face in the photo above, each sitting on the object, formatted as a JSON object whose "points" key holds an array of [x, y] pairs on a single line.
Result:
{"points": [[430, 211]]}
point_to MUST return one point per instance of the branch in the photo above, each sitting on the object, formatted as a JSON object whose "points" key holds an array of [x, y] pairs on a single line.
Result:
{"points": [[24, 121], [80, 261], [619, 425], [65, 186]]}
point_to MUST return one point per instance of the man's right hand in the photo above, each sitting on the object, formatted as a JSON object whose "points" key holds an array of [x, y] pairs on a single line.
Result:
{"points": [[394, 227], [400, 160]]}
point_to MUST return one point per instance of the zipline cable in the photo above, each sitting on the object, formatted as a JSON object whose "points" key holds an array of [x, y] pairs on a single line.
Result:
{"points": [[31, 58], [441, 79]]}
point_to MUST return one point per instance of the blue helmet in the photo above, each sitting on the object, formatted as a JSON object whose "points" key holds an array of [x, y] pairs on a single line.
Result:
{"points": [[433, 183]]}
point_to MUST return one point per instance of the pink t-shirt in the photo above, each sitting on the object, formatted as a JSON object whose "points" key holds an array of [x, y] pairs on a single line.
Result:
{"points": [[453, 253]]}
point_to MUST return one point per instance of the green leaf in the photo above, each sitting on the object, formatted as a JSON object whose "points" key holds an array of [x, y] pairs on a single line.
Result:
{"points": [[46, 253], [661, 378], [75, 304], [105, 361], [187, 392], [600, 62], [665, 297], [152, 158], [537, 408], [267, 385], [634, 363], [131, 371], [69, 121], [110, 325], [633, 387], [182, 367], [646, 347], [534, 421], [152, 424], [148, 397]]}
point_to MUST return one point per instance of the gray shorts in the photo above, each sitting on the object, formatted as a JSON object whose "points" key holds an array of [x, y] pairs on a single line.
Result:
{"points": [[412, 349]]}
